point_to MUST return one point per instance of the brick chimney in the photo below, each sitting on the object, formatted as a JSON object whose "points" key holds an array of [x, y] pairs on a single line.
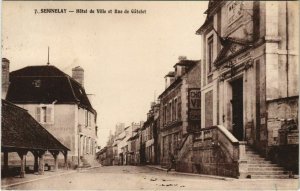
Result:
{"points": [[5, 77], [179, 69], [169, 79], [78, 75]]}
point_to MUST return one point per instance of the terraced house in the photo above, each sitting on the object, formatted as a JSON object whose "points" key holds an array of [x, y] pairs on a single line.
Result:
{"points": [[179, 117], [249, 89], [59, 103]]}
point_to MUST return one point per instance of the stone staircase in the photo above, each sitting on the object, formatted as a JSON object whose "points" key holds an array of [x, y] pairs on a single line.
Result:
{"points": [[260, 168]]}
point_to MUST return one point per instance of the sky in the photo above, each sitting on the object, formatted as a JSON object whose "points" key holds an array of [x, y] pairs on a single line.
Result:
{"points": [[124, 56]]}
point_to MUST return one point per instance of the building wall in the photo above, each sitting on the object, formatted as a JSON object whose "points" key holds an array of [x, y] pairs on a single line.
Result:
{"points": [[174, 131], [68, 120], [269, 69], [63, 125], [87, 131]]}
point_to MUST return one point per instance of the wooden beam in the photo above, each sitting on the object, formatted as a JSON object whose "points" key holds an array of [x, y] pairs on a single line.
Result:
{"points": [[5, 160], [36, 161], [65, 153], [22, 154], [55, 154], [41, 168]]}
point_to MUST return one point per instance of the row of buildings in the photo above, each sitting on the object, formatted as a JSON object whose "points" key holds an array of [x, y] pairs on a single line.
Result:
{"points": [[235, 111], [57, 103]]}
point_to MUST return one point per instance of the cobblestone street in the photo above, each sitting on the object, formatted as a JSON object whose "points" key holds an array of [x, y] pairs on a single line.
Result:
{"points": [[133, 177]]}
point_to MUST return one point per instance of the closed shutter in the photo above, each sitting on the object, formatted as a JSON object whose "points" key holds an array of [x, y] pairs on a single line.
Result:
{"points": [[38, 114], [90, 119], [49, 115]]}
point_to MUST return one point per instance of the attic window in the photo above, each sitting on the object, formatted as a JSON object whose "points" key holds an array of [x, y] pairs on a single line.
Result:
{"points": [[37, 83]]}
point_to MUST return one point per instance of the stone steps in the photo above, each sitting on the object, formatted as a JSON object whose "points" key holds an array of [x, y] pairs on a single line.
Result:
{"points": [[268, 168], [271, 172], [261, 168], [283, 176], [251, 165]]}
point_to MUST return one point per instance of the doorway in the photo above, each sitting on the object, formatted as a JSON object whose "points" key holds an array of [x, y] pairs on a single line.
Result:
{"points": [[237, 109]]}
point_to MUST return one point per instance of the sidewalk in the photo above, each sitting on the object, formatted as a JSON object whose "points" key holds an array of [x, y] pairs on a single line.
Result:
{"points": [[158, 167], [13, 181]]}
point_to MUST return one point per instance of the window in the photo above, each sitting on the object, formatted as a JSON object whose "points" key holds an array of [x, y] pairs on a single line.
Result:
{"points": [[88, 118], [37, 83], [210, 53], [175, 109], [179, 109], [165, 114], [45, 114], [171, 110]]}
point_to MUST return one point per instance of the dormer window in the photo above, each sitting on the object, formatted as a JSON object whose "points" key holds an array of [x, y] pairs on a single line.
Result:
{"points": [[36, 83]]}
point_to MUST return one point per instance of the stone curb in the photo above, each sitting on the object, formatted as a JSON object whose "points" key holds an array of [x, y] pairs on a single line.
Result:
{"points": [[42, 178], [191, 174]]}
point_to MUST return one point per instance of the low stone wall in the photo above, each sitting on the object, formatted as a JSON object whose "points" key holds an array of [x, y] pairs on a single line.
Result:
{"points": [[286, 156], [215, 152], [213, 161]]}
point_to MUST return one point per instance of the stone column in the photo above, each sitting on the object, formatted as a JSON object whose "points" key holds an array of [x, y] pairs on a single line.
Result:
{"points": [[5, 160], [41, 167], [22, 155]]}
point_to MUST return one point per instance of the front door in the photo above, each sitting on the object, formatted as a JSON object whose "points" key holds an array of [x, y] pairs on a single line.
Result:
{"points": [[237, 109]]}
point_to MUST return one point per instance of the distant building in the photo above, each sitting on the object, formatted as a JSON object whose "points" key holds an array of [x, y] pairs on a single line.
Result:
{"points": [[59, 103], [178, 115], [150, 136]]}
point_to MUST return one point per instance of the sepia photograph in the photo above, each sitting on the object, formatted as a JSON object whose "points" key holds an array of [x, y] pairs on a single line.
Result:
{"points": [[150, 95]]}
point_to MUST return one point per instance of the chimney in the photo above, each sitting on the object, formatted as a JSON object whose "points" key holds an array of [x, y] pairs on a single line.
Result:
{"points": [[78, 75], [169, 79], [179, 68], [5, 77]]}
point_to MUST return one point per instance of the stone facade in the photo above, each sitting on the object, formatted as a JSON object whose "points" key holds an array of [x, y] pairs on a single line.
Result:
{"points": [[250, 69], [175, 124], [150, 135]]}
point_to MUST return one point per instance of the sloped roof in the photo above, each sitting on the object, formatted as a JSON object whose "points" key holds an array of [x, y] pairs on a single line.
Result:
{"points": [[21, 130], [209, 17], [148, 122], [54, 85], [133, 137], [190, 64]]}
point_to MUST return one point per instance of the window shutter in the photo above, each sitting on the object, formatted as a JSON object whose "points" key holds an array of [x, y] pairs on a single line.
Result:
{"points": [[38, 114], [86, 118], [90, 119], [49, 115]]}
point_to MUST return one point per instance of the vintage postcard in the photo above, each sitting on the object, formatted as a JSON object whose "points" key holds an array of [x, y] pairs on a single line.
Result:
{"points": [[150, 95]]}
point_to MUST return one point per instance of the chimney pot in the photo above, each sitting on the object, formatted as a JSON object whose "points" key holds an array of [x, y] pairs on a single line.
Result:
{"points": [[5, 77], [78, 75]]}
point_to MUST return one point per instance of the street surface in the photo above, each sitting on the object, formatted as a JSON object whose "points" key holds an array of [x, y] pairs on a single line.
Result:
{"points": [[135, 177]]}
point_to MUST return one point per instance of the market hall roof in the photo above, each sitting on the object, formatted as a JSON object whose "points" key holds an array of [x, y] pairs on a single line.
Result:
{"points": [[46, 84], [21, 131]]}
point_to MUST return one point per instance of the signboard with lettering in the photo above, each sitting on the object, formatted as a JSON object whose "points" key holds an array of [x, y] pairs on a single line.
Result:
{"points": [[194, 104]]}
